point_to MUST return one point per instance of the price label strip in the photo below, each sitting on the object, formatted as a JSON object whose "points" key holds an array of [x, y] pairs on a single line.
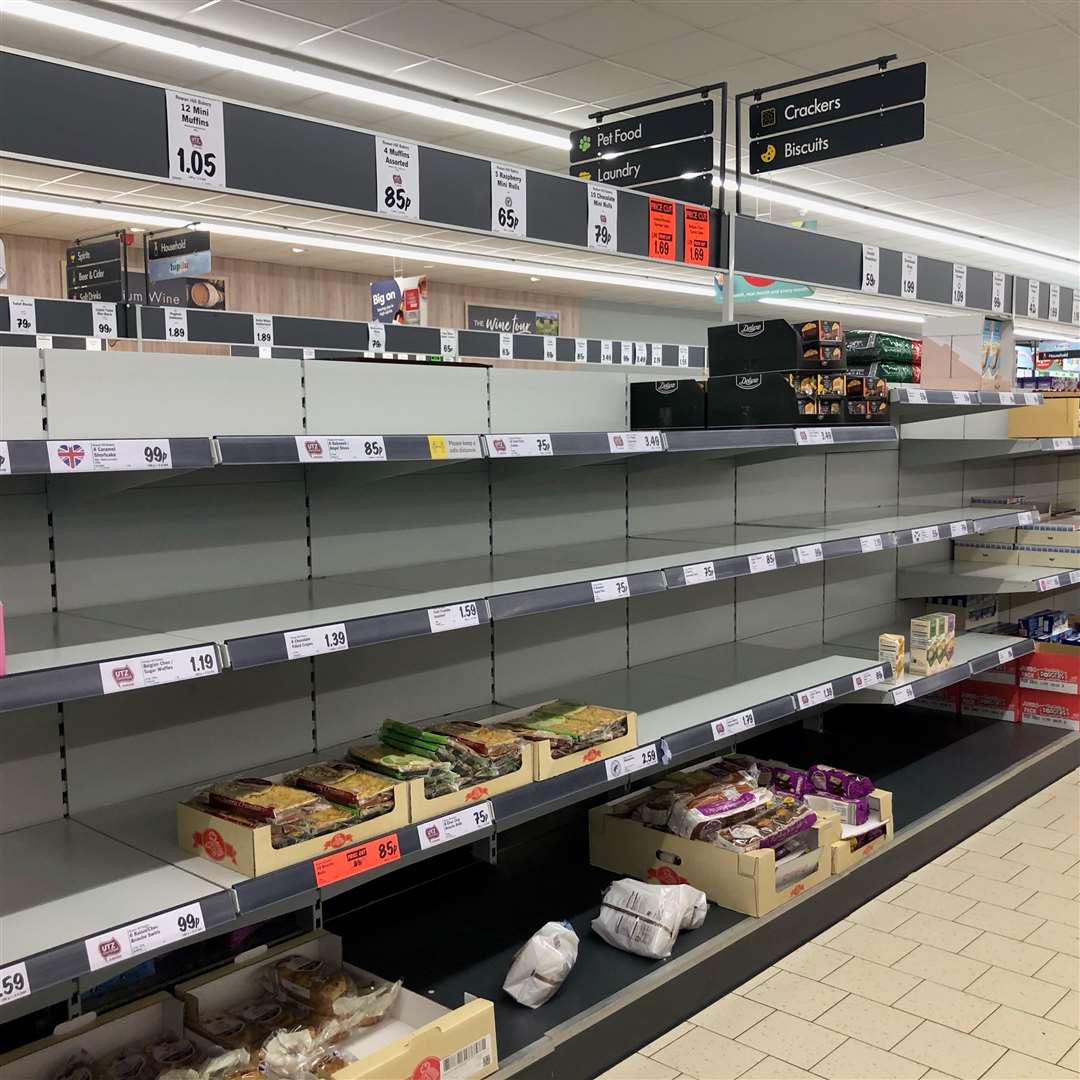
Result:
{"points": [[816, 695], [762, 562], [397, 178], [867, 544], [1063, 444], [644, 757], [509, 446], [176, 328], [448, 344], [733, 725], [958, 528], [454, 616], [902, 694], [699, 573], [616, 588], [109, 455], [452, 826], [356, 860], [909, 275], [316, 449], [14, 983], [862, 679], [635, 442], [315, 640], [925, 535], [813, 436], [963, 397], [158, 669], [810, 553], [127, 942]]}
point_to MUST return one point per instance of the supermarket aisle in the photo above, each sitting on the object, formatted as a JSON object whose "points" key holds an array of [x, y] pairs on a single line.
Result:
{"points": [[966, 969]]}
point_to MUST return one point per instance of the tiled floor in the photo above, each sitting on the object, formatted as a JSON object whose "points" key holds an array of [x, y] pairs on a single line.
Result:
{"points": [[967, 969]]}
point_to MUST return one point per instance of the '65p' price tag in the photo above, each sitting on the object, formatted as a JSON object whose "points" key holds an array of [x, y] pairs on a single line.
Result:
{"points": [[644, 757], [137, 938], [468, 820], [453, 616], [14, 983]]}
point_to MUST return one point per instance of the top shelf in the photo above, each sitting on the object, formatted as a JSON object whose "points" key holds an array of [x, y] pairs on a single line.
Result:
{"points": [[909, 404]]}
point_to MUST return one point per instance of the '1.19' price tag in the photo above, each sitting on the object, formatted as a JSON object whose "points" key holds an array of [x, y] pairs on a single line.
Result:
{"points": [[453, 616], [644, 757], [441, 830], [14, 983], [137, 938], [616, 588], [733, 725], [315, 640], [158, 669], [355, 860]]}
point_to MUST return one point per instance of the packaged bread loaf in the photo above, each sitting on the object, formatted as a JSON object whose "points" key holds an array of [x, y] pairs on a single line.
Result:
{"points": [[263, 800], [345, 783]]}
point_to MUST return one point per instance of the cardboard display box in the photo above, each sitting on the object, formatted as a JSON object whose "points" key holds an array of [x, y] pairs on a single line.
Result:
{"points": [[990, 700], [1059, 534], [1057, 417], [1049, 708], [421, 807], [745, 881], [250, 850], [1066, 558], [416, 1038], [1003, 554], [1051, 667], [881, 814]]}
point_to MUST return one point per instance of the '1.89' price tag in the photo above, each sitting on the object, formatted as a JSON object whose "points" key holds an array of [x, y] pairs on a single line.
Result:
{"points": [[355, 860]]}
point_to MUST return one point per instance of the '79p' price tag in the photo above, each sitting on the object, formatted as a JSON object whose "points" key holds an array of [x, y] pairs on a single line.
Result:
{"points": [[14, 983], [644, 757], [441, 830], [453, 616]]}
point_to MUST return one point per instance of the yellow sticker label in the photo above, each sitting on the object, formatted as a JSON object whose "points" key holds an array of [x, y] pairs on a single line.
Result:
{"points": [[437, 446]]}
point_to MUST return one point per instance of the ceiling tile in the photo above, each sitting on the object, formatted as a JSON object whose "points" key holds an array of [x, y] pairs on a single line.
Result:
{"points": [[518, 57], [705, 14], [959, 23], [1058, 193], [781, 31], [165, 9], [241, 87], [526, 99], [517, 13], [594, 81], [840, 49], [253, 25], [612, 27], [1065, 11], [345, 111], [697, 57], [1066, 105], [937, 187], [129, 60], [359, 53], [1020, 51], [430, 27], [447, 79], [1044, 80], [335, 13], [1011, 118], [972, 96]]}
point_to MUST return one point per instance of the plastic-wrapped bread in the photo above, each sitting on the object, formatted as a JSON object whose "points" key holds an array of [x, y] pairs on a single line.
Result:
{"points": [[832, 781], [252, 797], [785, 818], [542, 964], [347, 784], [646, 919]]}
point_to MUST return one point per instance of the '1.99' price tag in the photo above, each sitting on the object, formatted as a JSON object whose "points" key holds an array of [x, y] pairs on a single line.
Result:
{"points": [[14, 983]]}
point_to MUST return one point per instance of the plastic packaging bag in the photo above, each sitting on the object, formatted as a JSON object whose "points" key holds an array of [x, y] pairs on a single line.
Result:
{"points": [[646, 919], [542, 964]]}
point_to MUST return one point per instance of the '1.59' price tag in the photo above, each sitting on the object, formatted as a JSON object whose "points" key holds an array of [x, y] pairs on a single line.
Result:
{"points": [[453, 616], [14, 983]]}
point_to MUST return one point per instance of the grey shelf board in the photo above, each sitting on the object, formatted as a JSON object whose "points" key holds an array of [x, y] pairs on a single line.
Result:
{"points": [[32, 456], [767, 444], [282, 449], [917, 451], [964, 578], [906, 404]]}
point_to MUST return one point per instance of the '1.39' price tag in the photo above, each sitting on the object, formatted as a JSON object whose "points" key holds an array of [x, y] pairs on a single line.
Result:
{"points": [[441, 830], [316, 640], [14, 983], [644, 757], [137, 938], [355, 860]]}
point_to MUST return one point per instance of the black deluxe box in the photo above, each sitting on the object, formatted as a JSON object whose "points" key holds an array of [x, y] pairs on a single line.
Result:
{"points": [[768, 345], [764, 399], [667, 404]]}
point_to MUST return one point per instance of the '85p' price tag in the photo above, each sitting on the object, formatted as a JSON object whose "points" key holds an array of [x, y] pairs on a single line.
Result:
{"points": [[355, 860], [643, 757], [762, 562]]}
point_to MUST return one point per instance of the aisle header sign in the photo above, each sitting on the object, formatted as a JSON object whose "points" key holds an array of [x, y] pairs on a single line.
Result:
{"points": [[638, 132], [177, 255], [94, 271], [645, 166]]}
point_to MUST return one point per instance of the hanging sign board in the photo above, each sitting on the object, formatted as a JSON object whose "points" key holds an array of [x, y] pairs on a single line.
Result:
{"points": [[1033, 299], [661, 229], [178, 255], [508, 199], [196, 134], [900, 86], [94, 266], [696, 235], [397, 177], [645, 166], [871, 268], [909, 275], [636, 132], [828, 141]]}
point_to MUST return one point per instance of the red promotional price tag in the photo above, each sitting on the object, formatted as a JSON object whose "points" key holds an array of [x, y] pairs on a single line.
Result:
{"points": [[355, 860], [695, 235], [661, 229]]}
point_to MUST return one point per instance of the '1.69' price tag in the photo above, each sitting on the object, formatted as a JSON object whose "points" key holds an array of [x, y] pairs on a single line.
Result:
{"points": [[355, 860], [14, 983], [441, 830], [644, 757]]}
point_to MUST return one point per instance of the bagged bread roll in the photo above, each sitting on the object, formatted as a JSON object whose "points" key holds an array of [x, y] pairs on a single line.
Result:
{"points": [[542, 964], [646, 919]]}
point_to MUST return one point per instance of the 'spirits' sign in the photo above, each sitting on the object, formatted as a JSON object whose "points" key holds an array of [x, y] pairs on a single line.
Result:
{"points": [[638, 132]]}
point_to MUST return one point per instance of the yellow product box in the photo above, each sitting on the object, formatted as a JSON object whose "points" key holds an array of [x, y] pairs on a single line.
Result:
{"points": [[849, 850], [750, 882], [1003, 554], [1057, 417], [1061, 533], [417, 1037], [997, 536], [1065, 558], [891, 648], [248, 848], [921, 645]]}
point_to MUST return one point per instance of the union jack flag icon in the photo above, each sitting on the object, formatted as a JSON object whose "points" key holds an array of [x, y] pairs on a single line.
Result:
{"points": [[71, 454]]}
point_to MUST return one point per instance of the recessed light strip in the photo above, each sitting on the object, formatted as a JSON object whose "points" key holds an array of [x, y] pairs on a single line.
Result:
{"points": [[812, 302]]}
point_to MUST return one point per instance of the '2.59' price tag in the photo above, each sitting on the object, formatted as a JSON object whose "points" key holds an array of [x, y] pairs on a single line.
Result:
{"points": [[14, 983], [644, 757]]}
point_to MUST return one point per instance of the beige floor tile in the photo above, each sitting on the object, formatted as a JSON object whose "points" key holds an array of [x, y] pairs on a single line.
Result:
{"points": [[991, 828], [1054, 908], [1000, 920], [934, 902], [1071, 844], [986, 866], [637, 1067], [870, 944], [1002, 893], [1036, 834], [791, 1039], [1027, 1034], [1033, 815], [1066, 823], [872, 981], [1071, 1059], [760, 977], [951, 1051], [1066, 885], [1006, 953], [891, 893], [944, 1005], [827, 935], [933, 1074], [1014, 1066], [1017, 991], [813, 961], [946, 857], [861, 1018], [775, 1069], [946, 968], [880, 915], [855, 1060], [797, 995], [941, 933], [944, 878], [731, 1015], [667, 1037], [1057, 936], [1062, 970], [1066, 1011], [1057, 862], [708, 1056], [988, 844]]}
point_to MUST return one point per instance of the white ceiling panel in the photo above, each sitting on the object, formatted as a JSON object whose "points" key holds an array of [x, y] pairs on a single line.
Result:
{"points": [[1065, 105], [335, 13], [697, 57], [780, 29], [163, 9], [612, 27], [522, 13], [128, 60], [448, 78], [518, 56], [357, 53], [248, 22], [1033, 49], [970, 22], [524, 99], [597, 80], [706, 14], [839, 50], [430, 27]]}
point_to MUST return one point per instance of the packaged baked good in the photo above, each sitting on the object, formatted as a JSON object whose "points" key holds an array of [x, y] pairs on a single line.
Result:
{"points": [[262, 800], [224, 1029], [698, 814], [466, 762], [174, 1052], [771, 827], [784, 779], [80, 1066], [312, 982], [646, 919], [486, 739], [850, 811], [315, 819], [438, 776], [345, 783], [569, 726], [128, 1063], [832, 781]]}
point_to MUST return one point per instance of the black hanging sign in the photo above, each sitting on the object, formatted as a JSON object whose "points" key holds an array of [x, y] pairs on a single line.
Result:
{"points": [[886, 89], [828, 141], [637, 132], [93, 266], [698, 189], [649, 165], [177, 255]]}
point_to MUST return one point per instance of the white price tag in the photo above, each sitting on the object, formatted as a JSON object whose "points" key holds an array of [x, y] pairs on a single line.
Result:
{"points": [[699, 573], [656, 355], [641, 352], [626, 352], [468, 820], [644, 757], [104, 321], [915, 396], [903, 693], [862, 679], [606, 355], [14, 983], [816, 695], [616, 588], [549, 347], [962, 397], [315, 640], [508, 200], [397, 178], [1007, 398], [871, 268], [871, 543], [1063, 444], [581, 350], [925, 535], [1005, 655], [810, 553], [176, 324], [959, 285], [1026, 517], [157, 669], [93, 344], [958, 528], [314, 449], [308, 354], [808, 436], [506, 346], [909, 275], [44, 341], [760, 563], [603, 218], [376, 337], [1076, 305], [1031, 399], [263, 329], [1074, 577], [1048, 583], [684, 356], [22, 312], [196, 134], [453, 616], [1033, 299], [1054, 314], [143, 937], [732, 725], [109, 455], [5, 459], [448, 344], [635, 442], [997, 292], [508, 446]]}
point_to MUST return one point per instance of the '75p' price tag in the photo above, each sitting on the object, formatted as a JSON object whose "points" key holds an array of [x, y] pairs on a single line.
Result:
{"points": [[644, 757], [453, 616], [699, 573], [616, 588], [14, 983], [137, 938], [441, 830]]}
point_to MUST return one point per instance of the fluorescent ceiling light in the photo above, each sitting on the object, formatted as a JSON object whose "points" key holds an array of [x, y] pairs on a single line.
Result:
{"points": [[845, 309], [432, 256], [118, 31]]}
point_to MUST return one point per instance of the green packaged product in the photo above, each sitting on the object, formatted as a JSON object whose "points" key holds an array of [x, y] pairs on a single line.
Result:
{"points": [[438, 776], [872, 345]]}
